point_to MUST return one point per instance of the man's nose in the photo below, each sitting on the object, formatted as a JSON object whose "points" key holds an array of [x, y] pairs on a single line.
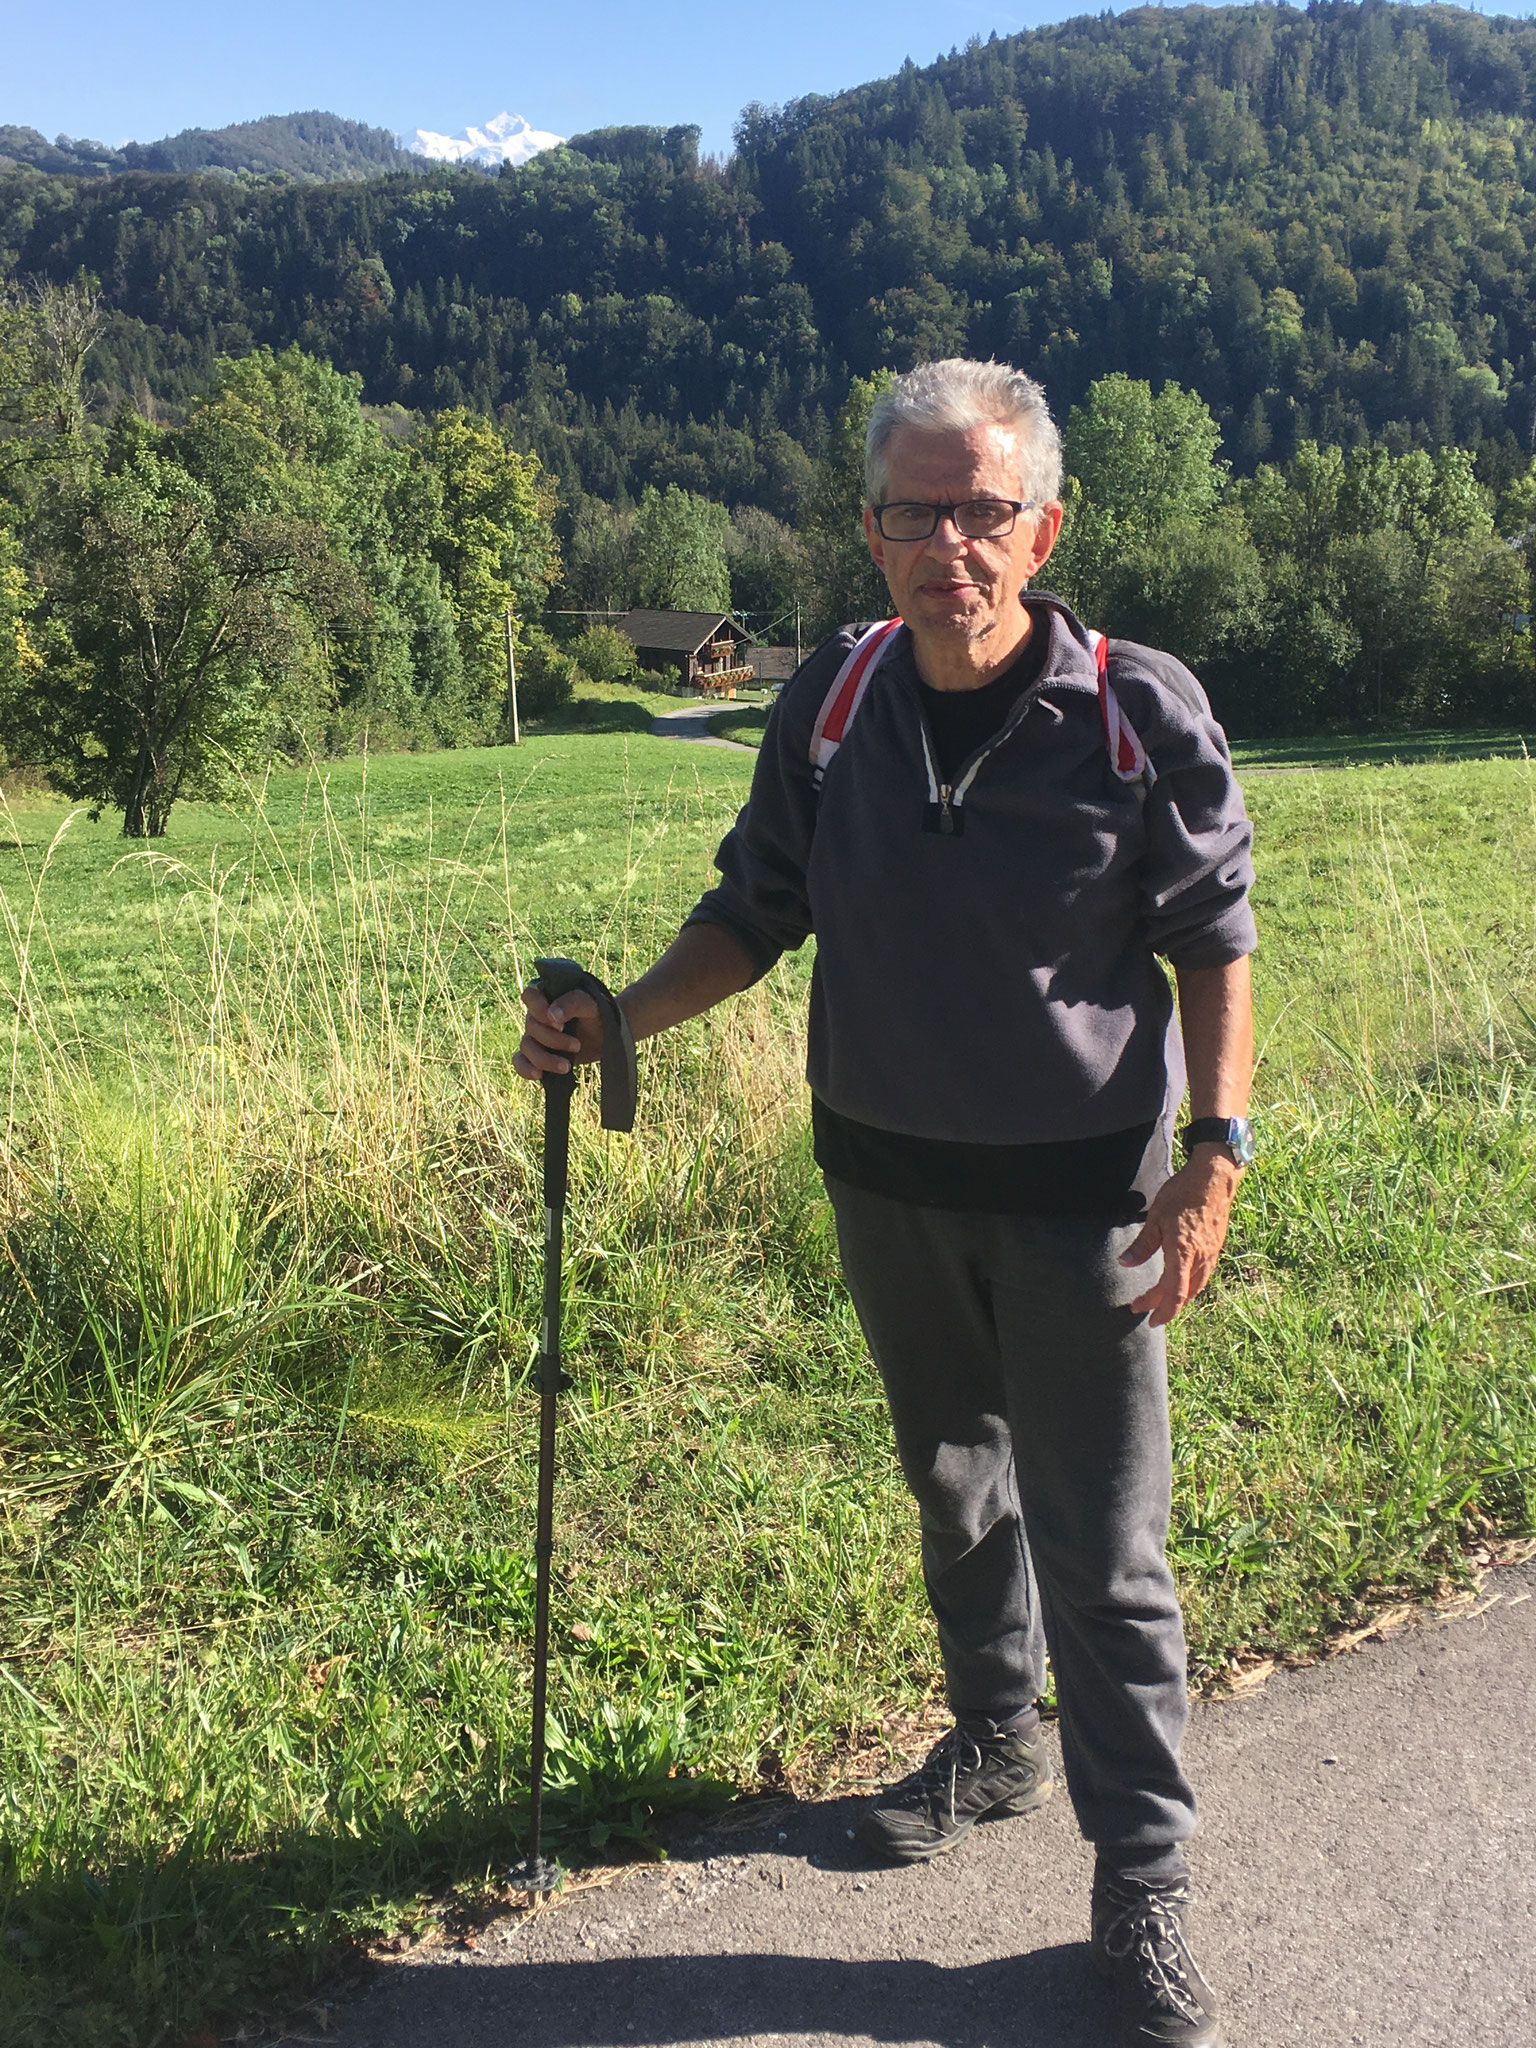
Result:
{"points": [[946, 538]]}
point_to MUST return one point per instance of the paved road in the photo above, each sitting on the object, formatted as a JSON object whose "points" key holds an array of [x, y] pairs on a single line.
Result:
{"points": [[692, 723], [1367, 1868]]}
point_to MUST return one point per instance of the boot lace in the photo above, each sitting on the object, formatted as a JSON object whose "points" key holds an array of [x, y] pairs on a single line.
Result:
{"points": [[1146, 1930], [953, 1758]]}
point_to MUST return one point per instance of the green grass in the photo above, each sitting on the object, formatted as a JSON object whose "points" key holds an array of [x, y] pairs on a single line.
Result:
{"points": [[625, 707], [741, 722], [745, 724], [501, 848], [270, 1301], [610, 707], [1388, 749]]}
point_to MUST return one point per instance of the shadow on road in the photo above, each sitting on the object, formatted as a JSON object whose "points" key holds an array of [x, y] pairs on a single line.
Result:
{"points": [[1048, 1999]]}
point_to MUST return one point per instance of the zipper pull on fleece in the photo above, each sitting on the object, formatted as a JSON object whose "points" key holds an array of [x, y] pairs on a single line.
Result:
{"points": [[946, 815]]}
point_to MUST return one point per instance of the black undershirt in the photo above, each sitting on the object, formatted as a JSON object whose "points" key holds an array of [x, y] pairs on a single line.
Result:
{"points": [[960, 721], [1087, 1177]]}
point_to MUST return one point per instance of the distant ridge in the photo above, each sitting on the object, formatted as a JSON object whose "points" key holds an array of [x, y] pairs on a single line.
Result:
{"points": [[508, 139], [310, 145], [315, 146], [65, 156]]}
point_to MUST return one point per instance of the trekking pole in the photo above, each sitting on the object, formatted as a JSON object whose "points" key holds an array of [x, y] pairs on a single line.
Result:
{"points": [[617, 1104]]}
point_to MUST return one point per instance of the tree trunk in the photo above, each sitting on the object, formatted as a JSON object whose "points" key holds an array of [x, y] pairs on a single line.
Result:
{"points": [[147, 806], [147, 819]]}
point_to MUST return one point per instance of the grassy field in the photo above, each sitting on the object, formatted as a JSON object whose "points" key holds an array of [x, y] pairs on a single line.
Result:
{"points": [[745, 724], [741, 722], [270, 1300], [1387, 750]]}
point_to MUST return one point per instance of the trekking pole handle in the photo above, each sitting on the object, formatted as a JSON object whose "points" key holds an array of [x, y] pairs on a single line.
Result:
{"points": [[558, 1090], [620, 1085]]}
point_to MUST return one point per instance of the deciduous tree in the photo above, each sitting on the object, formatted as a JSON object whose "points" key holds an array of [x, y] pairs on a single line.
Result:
{"points": [[770, 570], [46, 333], [189, 625], [493, 540], [680, 559], [845, 582]]}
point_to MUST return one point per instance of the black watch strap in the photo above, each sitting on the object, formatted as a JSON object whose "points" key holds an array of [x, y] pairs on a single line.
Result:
{"points": [[1234, 1134]]}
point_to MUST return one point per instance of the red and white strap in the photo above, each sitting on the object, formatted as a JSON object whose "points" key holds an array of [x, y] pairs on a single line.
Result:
{"points": [[847, 693], [1127, 756]]}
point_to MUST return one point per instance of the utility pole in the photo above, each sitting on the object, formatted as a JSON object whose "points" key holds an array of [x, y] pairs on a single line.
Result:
{"points": [[797, 630], [517, 738]]}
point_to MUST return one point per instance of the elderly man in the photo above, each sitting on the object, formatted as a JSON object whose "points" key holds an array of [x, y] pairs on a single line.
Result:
{"points": [[994, 824]]}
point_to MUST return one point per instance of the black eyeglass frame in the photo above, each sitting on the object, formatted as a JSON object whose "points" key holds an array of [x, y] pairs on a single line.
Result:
{"points": [[951, 512]]}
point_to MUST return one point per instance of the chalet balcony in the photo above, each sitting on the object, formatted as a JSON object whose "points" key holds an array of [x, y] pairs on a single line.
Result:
{"points": [[723, 682]]}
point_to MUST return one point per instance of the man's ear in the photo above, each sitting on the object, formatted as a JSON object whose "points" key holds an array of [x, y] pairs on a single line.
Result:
{"points": [[876, 543], [1047, 533]]}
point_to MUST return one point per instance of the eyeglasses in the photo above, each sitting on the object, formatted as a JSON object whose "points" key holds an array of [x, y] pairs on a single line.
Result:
{"points": [[976, 519]]}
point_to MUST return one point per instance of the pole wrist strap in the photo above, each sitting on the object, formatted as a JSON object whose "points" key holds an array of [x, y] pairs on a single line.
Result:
{"points": [[619, 1085]]}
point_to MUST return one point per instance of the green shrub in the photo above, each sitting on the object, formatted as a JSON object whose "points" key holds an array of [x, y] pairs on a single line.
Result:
{"points": [[546, 675], [605, 654]]}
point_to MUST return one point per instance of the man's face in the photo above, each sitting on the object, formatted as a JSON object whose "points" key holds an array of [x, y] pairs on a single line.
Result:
{"points": [[949, 587]]}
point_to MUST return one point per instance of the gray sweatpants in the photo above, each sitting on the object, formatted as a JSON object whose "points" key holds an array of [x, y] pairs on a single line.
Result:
{"points": [[1031, 1416]]}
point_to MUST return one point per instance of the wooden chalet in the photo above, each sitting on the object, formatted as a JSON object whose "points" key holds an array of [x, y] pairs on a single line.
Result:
{"points": [[706, 649], [773, 664]]}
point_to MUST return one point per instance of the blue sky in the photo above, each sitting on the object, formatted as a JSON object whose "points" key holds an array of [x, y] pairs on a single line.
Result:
{"points": [[108, 70]]}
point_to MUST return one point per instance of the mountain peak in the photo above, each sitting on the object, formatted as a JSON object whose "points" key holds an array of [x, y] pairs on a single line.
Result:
{"points": [[505, 139]]}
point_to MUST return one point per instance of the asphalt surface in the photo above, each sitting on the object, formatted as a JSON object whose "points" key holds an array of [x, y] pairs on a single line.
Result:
{"points": [[1366, 1870], [692, 723]]}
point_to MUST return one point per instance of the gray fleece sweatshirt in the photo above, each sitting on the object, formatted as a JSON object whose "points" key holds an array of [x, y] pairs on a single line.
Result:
{"points": [[998, 983]]}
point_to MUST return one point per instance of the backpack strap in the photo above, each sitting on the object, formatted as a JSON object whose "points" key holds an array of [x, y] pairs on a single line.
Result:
{"points": [[847, 694], [1127, 755]]}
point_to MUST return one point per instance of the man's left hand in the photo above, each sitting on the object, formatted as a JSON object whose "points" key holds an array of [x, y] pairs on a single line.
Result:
{"points": [[1187, 1222]]}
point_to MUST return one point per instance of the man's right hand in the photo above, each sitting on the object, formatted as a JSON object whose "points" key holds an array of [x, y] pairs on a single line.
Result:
{"points": [[703, 965], [557, 1033]]}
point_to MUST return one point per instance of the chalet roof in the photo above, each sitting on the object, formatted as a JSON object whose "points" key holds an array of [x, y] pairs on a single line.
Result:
{"points": [[772, 664], [678, 632]]}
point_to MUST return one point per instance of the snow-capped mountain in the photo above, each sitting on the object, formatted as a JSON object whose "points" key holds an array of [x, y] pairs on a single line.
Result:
{"points": [[506, 140]]}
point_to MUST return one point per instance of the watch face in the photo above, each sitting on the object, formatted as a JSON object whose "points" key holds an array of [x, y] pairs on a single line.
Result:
{"points": [[1243, 1147]]}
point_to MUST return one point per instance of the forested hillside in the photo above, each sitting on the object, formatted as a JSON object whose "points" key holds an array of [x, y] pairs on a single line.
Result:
{"points": [[1275, 268], [1324, 222]]}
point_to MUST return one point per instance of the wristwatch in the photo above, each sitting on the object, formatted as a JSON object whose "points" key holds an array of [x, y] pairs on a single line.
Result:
{"points": [[1234, 1134]]}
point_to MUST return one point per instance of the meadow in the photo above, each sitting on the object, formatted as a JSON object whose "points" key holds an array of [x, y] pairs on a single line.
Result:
{"points": [[269, 1304]]}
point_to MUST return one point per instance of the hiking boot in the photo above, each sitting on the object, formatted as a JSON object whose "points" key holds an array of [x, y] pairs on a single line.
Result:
{"points": [[1143, 1953], [973, 1773]]}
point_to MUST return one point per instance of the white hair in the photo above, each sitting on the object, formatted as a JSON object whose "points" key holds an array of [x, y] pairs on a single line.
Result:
{"points": [[957, 394]]}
